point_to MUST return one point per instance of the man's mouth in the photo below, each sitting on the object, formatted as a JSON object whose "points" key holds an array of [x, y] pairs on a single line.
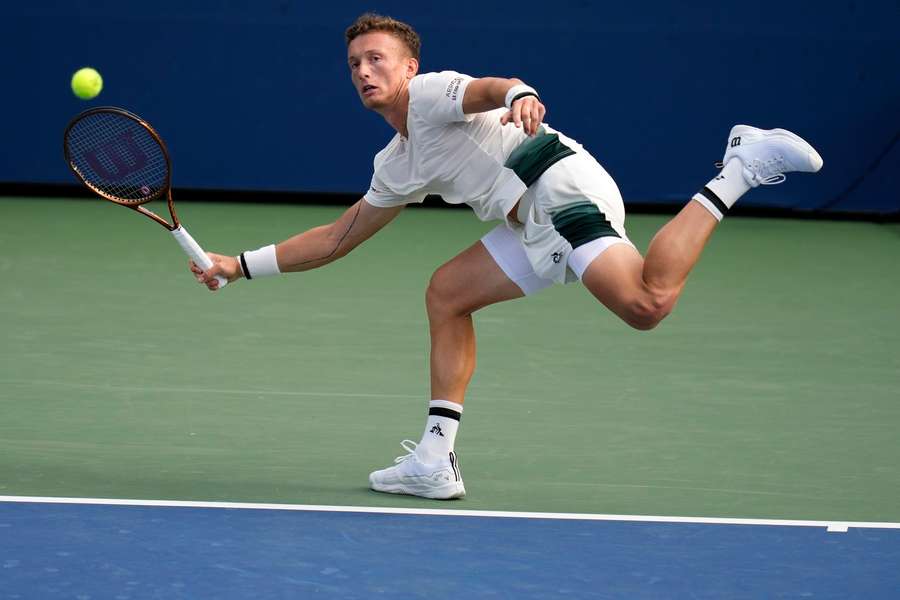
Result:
{"points": [[368, 89]]}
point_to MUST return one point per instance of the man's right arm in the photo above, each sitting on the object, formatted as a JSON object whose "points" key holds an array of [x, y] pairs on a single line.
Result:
{"points": [[313, 248], [322, 245]]}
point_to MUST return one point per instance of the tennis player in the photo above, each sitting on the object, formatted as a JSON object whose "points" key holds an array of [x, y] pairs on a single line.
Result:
{"points": [[483, 142]]}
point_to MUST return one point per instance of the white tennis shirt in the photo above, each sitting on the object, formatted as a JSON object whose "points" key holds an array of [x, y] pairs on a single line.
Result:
{"points": [[449, 153]]}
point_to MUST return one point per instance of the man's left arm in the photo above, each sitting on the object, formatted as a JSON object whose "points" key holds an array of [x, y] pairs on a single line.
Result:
{"points": [[488, 93]]}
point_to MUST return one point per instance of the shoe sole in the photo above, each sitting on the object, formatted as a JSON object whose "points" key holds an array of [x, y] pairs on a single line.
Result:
{"points": [[450, 491]]}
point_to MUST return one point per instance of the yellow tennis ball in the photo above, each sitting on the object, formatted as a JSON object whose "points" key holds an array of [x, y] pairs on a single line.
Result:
{"points": [[86, 83]]}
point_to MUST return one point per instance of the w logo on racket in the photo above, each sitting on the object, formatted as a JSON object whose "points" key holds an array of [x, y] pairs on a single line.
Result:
{"points": [[116, 159]]}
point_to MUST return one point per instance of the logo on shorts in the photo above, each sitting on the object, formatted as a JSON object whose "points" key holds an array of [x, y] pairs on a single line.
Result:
{"points": [[556, 256]]}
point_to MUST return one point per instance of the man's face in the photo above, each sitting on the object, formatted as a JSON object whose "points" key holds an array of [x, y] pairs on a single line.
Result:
{"points": [[380, 67]]}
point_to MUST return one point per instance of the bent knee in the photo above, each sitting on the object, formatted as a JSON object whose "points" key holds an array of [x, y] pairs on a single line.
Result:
{"points": [[645, 321], [442, 294], [646, 313]]}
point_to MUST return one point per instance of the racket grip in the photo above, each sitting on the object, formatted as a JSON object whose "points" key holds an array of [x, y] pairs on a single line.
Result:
{"points": [[193, 249]]}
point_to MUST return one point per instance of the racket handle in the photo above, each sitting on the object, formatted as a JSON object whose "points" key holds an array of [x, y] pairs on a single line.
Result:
{"points": [[193, 249]]}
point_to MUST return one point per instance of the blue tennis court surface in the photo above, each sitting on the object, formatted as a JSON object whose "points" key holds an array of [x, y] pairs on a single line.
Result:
{"points": [[87, 551]]}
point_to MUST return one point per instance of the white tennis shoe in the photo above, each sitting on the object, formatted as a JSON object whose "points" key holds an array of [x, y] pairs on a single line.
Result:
{"points": [[767, 154], [440, 480]]}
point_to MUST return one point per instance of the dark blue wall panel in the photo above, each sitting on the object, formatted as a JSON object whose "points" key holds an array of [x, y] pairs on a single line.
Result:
{"points": [[256, 95]]}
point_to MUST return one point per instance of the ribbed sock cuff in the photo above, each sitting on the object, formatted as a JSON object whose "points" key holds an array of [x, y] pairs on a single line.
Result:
{"points": [[445, 408], [711, 202]]}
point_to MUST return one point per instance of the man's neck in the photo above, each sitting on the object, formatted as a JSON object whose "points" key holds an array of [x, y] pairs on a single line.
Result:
{"points": [[397, 112]]}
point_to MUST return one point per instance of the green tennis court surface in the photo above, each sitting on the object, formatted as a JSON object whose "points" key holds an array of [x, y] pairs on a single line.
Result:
{"points": [[771, 392]]}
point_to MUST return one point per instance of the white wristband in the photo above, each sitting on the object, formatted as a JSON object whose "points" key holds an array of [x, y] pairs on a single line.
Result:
{"points": [[260, 263], [519, 91]]}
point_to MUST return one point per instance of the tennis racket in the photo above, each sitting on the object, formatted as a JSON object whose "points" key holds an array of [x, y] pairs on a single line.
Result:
{"points": [[121, 158]]}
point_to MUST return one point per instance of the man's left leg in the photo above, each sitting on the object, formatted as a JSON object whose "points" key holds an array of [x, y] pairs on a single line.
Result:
{"points": [[642, 291]]}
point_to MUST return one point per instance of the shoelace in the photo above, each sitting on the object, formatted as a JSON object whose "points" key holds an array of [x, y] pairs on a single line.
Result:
{"points": [[410, 447], [768, 173]]}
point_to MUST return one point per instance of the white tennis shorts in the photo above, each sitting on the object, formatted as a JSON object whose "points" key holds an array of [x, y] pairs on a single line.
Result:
{"points": [[534, 253]]}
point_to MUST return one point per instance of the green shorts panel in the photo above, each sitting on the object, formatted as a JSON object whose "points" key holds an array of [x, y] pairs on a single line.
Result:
{"points": [[582, 223]]}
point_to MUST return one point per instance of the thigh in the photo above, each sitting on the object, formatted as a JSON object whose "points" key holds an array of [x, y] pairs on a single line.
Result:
{"points": [[615, 278], [472, 280]]}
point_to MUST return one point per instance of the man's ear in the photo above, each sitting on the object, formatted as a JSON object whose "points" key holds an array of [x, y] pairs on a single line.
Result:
{"points": [[412, 67]]}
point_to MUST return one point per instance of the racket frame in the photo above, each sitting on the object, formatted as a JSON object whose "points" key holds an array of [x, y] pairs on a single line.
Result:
{"points": [[184, 239], [136, 205]]}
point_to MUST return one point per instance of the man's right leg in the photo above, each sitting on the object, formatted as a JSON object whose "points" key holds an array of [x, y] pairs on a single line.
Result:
{"points": [[492, 270], [470, 281]]}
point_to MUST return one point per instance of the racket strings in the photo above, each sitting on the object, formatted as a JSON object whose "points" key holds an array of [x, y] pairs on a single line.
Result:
{"points": [[118, 157]]}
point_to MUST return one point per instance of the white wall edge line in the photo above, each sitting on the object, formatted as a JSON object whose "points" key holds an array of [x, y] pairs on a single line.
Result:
{"points": [[238, 392], [833, 526]]}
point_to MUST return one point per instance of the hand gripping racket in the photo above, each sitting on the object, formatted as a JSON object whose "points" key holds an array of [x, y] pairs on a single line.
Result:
{"points": [[121, 158]]}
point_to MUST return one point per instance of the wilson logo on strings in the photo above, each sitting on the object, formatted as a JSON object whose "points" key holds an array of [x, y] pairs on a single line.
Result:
{"points": [[116, 159]]}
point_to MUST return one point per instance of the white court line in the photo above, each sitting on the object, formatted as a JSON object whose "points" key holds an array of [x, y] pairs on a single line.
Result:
{"points": [[833, 526]]}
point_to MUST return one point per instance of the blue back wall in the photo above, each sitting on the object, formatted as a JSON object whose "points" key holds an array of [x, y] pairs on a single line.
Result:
{"points": [[255, 95]]}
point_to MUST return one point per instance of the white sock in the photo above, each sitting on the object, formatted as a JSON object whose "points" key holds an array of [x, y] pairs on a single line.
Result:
{"points": [[440, 430], [723, 191]]}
